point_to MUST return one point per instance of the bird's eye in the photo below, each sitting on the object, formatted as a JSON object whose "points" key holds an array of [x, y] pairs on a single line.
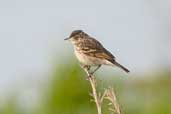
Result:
{"points": [[76, 37]]}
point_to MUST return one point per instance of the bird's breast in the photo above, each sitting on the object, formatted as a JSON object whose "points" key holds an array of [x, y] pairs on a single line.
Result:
{"points": [[84, 59]]}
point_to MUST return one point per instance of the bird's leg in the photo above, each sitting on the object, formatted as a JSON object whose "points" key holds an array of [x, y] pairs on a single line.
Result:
{"points": [[87, 68], [95, 69]]}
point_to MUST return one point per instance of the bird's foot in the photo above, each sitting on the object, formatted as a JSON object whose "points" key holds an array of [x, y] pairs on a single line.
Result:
{"points": [[85, 67], [89, 76]]}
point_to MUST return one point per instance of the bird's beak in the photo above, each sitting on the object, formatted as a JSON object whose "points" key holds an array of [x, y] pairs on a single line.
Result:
{"points": [[67, 38]]}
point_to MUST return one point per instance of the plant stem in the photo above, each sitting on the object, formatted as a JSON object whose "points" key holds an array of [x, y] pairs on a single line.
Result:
{"points": [[94, 91], [96, 97]]}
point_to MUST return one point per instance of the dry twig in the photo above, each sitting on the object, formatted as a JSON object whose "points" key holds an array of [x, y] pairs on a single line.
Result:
{"points": [[98, 98], [111, 96]]}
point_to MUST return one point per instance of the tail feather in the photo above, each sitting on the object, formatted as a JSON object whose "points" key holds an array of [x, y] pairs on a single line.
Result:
{"points": [[122, 67]]}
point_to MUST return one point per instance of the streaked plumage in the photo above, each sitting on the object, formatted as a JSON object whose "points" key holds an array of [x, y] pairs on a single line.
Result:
{"points": [[91, 52]]}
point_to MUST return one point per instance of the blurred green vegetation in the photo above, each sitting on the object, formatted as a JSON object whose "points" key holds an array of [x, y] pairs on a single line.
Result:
{"points": [[68, 93]]}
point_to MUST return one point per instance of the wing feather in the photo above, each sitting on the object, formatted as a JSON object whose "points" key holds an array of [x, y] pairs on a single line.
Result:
{"points": [[94, 48]]}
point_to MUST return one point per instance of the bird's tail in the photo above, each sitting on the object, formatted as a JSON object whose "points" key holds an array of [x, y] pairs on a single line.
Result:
{"points": [[120, 66]]}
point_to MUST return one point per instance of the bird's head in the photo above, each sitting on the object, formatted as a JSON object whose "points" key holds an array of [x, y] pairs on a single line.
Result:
{"points": [[76, 35]]}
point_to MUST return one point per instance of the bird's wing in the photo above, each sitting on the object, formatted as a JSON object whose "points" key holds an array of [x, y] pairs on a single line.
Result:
{"points": [[94, 48]]}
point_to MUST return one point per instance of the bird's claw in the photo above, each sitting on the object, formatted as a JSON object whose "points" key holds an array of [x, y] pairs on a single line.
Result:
{"points": [[89, 76]]}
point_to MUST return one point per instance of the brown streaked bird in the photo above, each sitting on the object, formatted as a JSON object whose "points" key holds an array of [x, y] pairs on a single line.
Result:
{"points": [[91, 52]]}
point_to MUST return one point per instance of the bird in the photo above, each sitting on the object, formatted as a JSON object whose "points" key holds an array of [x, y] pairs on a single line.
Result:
{"points": [[90, 52]]}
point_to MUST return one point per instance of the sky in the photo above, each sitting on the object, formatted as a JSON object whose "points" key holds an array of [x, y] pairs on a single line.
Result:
{"points": [[137, 32]]}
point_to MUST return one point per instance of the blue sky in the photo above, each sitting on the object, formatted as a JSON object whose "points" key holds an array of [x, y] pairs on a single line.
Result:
{"points": [[137, 32]]}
